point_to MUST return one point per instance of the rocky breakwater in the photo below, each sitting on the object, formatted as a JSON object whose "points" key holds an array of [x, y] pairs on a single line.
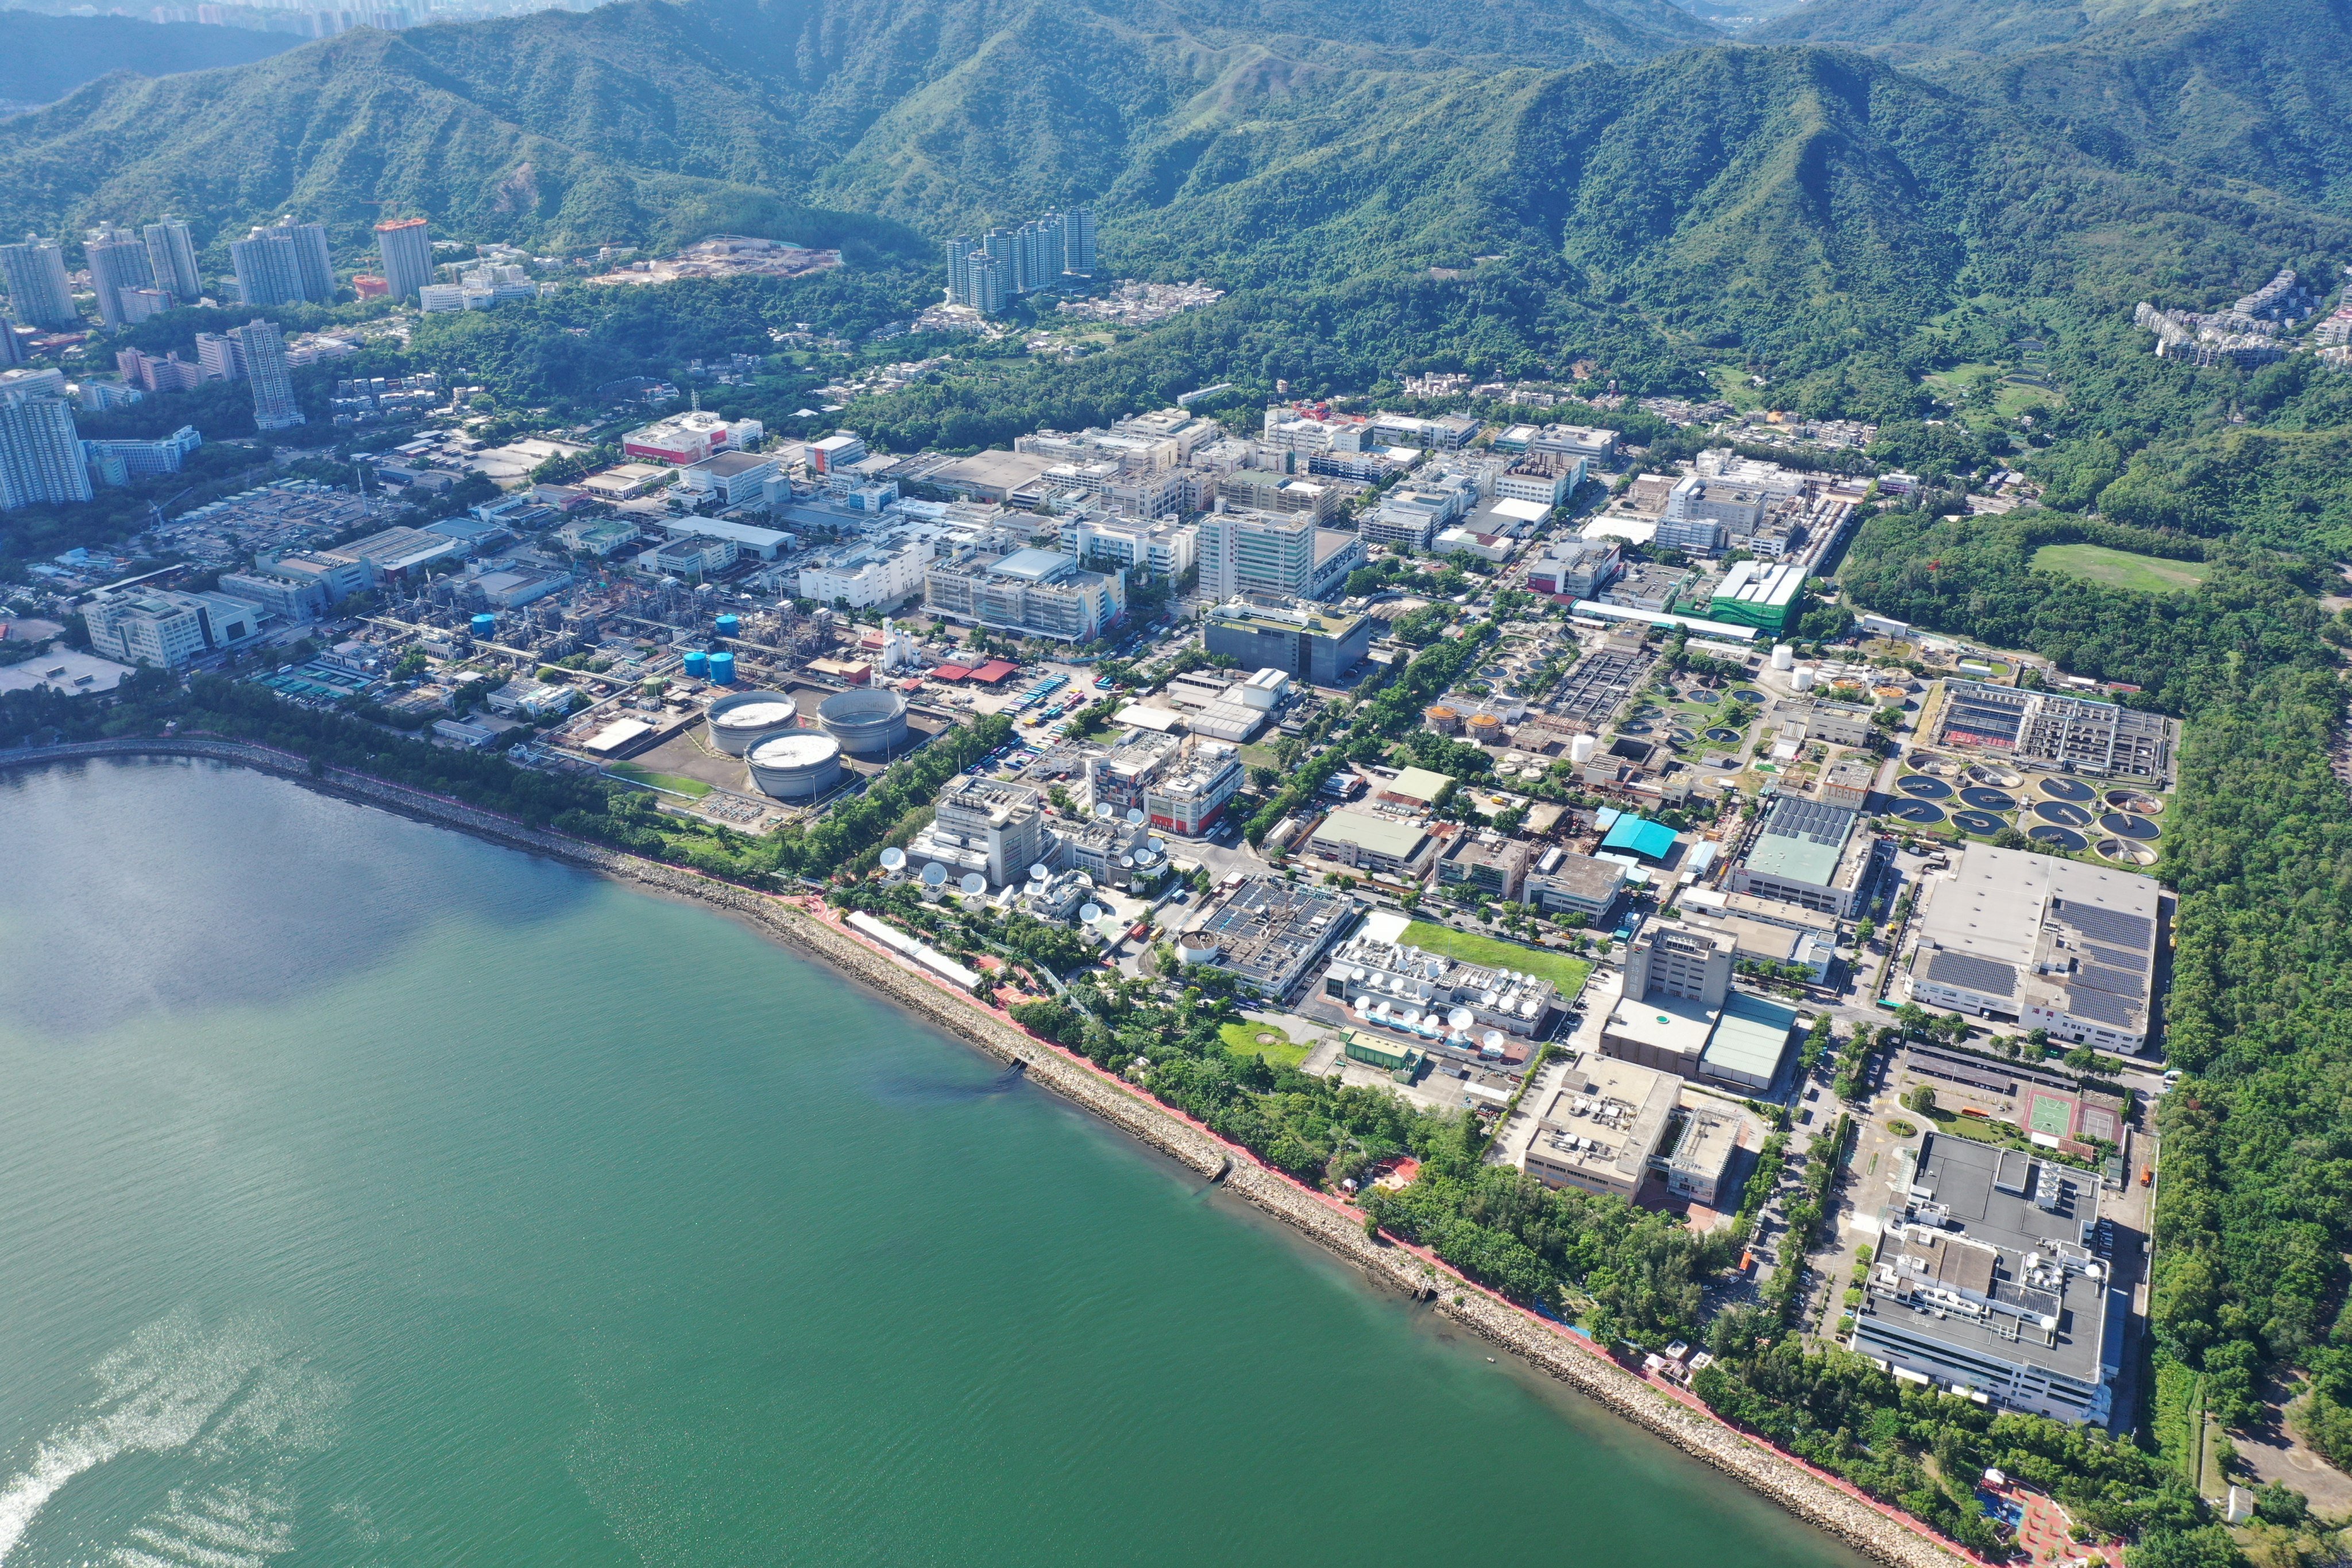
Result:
{"points": [[1809, 1494]]}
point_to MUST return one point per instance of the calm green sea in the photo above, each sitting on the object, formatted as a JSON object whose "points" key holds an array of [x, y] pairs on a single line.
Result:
{"points": [[369, 1194]]}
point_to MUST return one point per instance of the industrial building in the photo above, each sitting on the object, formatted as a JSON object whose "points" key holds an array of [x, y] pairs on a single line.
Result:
{"points": [[1396, 845], [1677, 1011], [1811, 853], [1267, 932], [1984, 1282], [2053, 944], [2044, 729], [1577, 568], [397, 552], [867, 572], [1257, 552], [730, 477], [1564, 880], [1306, 643], [1031, 593], [1759, 594], [1834, 723]]}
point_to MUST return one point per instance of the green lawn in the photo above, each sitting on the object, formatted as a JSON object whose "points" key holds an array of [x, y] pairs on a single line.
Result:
{"points": [[1562, 970], [2120, 568], [1248, 1040], [675, 782]]}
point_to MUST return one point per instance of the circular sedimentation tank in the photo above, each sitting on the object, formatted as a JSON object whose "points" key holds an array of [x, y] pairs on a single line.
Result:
{"points": [[868, 720], [798, 766], [741, 719]]}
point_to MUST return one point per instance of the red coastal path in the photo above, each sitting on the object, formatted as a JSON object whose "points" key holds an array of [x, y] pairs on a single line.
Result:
{"points": [[512, 831]]}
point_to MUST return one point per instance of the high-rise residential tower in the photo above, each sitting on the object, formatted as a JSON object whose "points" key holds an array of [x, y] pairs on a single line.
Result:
{"points": [[172, 254], [40, 452], [118, 261], [407, 247], [281, 262], [12, 347], [263, 349], [36, 271], [1079, 242]]}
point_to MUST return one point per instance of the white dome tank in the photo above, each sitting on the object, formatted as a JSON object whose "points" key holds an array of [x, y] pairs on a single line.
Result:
{"points": [[741, 719], [798, 766]]}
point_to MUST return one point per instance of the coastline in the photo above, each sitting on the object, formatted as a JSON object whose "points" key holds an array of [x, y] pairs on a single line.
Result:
{"points": [[1810, 1494]]}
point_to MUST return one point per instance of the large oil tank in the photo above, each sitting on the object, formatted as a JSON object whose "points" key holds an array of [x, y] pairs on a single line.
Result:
{"points": [[723, 668], [1580, 747], [741, 719], [729, 627], [698, 664], [798, 766], [869, 720], [485, 627]]}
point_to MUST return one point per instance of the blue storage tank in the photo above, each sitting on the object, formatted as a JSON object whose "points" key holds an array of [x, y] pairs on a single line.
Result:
{"points": [[697, 663], [486, 626], [722, 669], [730, 626]]}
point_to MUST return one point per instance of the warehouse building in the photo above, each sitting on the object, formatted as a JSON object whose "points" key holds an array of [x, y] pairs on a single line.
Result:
{"points": [[2053, 944], [1386, 844]]}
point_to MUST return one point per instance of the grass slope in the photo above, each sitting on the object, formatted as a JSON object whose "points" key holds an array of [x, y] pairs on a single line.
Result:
{"points": [[1568, 973], [2121, 568]]}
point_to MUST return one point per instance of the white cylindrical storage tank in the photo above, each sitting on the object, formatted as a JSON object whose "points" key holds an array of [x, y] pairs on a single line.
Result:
{"points": [[1804, 678], [869, 720], [798, 766], [1784, 656], [1581, 747], [741, 719]]}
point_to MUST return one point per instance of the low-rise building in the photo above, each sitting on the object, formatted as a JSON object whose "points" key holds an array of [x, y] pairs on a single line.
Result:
{"points": [[691, 558], [152, 626], [1811, 853], [397, 552], [336, 576], [730, 477], [1676, 1011], [1602, 1127], [1846, 783], [1576, 568], [986, 825], [2045, 729], [690, 436], [1486, 861], [1191, 789], [868, 572], [1759, 594], [1395, 985], [290, 601], [1835, 723]]}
